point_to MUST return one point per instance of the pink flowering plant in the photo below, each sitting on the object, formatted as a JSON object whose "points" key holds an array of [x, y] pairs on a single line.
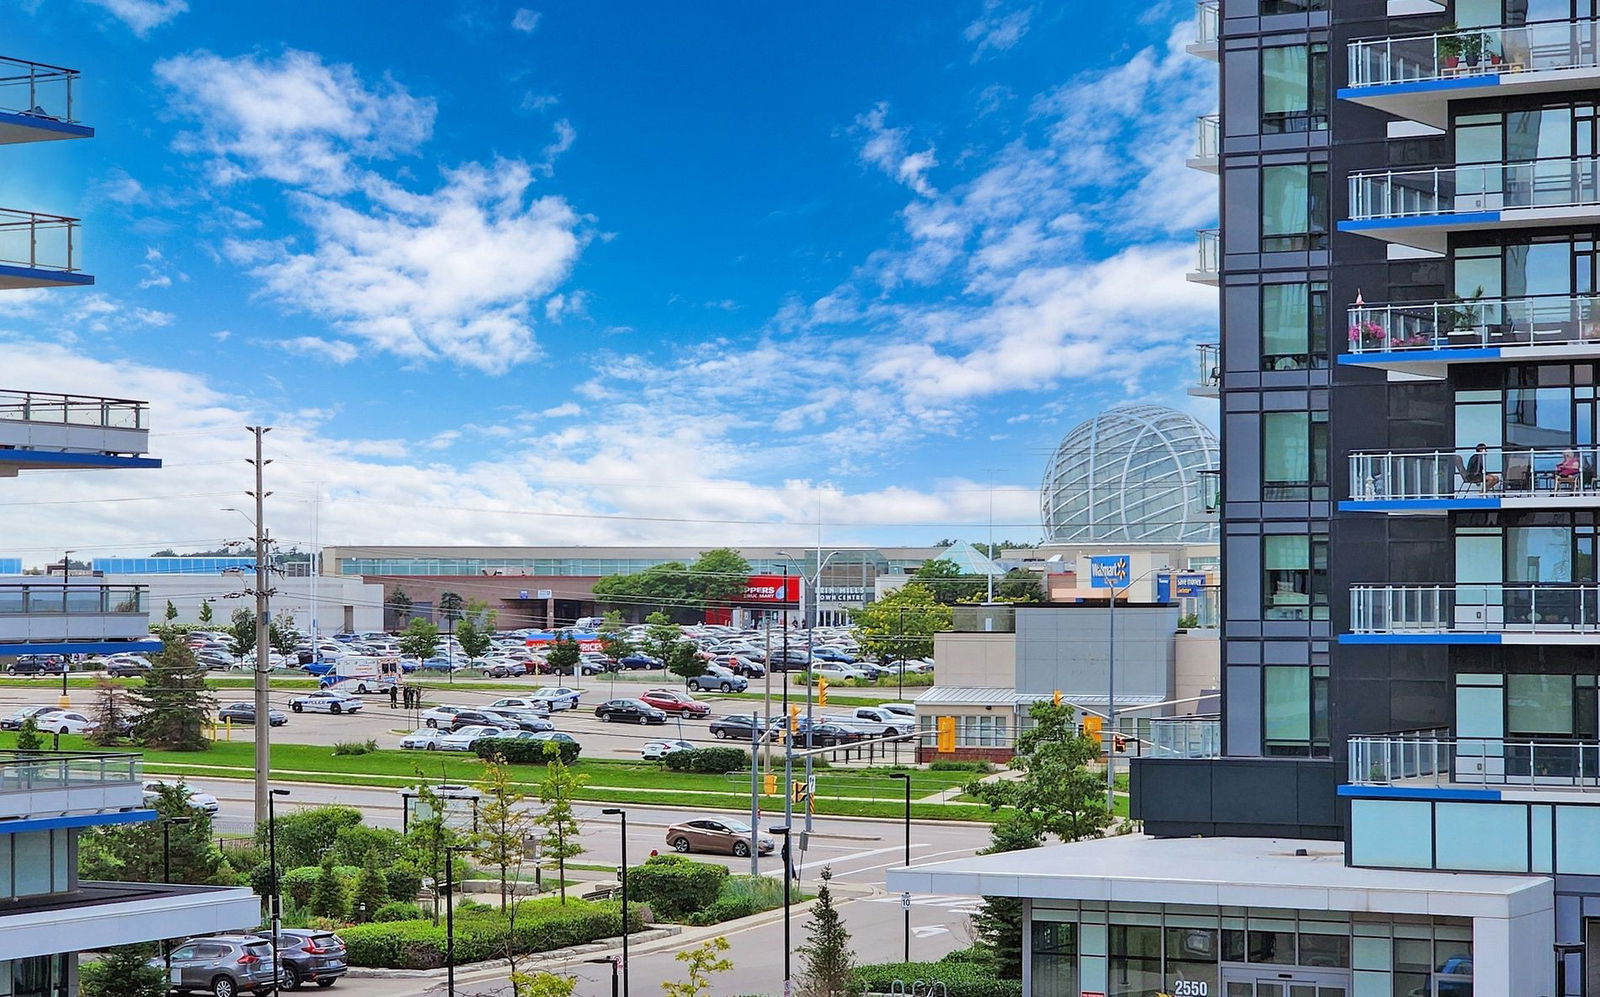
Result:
{"points": [[1367, 333]]}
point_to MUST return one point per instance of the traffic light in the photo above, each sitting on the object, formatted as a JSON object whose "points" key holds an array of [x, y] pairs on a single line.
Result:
{"points": [[797, 791], [1055, 698], [1092, 726], [794, 719], [769, 783], [822, 692], [947, 734]]}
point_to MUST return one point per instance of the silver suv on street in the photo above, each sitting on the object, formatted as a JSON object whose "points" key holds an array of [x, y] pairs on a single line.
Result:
{"points": [[225, 965]]}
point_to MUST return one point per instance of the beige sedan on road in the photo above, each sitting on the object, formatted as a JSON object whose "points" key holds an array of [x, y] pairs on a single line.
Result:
{"points": [[721, 835]]}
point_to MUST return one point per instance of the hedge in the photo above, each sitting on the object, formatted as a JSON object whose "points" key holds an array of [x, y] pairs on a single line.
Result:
{"points": [[522, 751], [740, 896], [305, 834], [398, 910], [715, 761], [961, 979], [299, 882], [483, 933], [675, 887]]}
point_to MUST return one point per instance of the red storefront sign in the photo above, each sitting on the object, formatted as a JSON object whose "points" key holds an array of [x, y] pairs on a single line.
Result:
{"points": [[772, 590]]}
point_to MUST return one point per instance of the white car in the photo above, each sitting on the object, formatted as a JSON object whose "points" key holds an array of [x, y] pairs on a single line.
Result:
{"points": [[556, 697], [654, 751], [537, 706], [326, 701], [425, 739], [466, 737], [200, 801], [441, 716], [59, 721], [834, 670]]}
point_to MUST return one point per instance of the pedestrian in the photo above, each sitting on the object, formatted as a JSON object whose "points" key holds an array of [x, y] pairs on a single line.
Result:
{"points": [[394, 696]]}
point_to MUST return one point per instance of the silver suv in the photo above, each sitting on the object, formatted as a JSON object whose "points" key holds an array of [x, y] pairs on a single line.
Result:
{"points": [[225, 965]]}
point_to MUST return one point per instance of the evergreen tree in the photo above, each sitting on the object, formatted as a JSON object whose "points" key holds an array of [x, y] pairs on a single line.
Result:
{"points": [[174, 701], [399, 606], [372, 888], [28, 736], [999, 922], [328, 898], [172, 611], [124, 971], [559, 841], [110, 714], [205, 611], [826, 959], [133, 853]]}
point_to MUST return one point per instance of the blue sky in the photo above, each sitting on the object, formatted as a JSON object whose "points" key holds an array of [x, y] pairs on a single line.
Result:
{"points": [[673, 272]]}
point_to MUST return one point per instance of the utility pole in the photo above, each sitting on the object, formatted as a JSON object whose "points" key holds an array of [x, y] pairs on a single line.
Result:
{"points": [[263, 636]]}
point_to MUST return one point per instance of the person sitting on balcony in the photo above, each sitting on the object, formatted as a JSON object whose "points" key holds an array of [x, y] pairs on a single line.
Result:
{"points": [[1473, 472], [1568, 470]]}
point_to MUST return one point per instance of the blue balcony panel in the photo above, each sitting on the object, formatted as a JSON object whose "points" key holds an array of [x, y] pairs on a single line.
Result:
{"points": [[1428, 638], [19, 126], [80, 647], [21, 824], [1419, 793], [12, 461], [13, 278]]}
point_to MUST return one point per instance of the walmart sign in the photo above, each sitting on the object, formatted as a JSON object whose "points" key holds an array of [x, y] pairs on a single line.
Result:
{"points": [[1108, 572]]}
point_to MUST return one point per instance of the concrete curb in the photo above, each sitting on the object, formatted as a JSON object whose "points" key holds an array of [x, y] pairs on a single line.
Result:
{"points": [[652, 934]]}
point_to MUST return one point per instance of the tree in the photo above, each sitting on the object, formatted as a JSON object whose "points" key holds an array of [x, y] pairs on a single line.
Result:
{"points": [[420, 640], [110, 714], [328, 898], [826, 960], [614, 640], [661, 635], [944, 579], [703, 960], [542, 985], [205, 611], [563, 657], [667, 586], [124, 971], [559, 841], [451, 606], [901, 625], [504, 823], [174, 700], [475, 640], [28, 736], [684, 660], [399, 606], [999, 921], [133, 853], [242, 634], [1019, 585], [372, 888], [1056, 794], [172, 611], [283, 637], [719, 576]]}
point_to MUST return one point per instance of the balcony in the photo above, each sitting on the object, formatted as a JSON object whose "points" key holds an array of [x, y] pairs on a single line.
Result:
{"points": [[1208, 269], [1207, 30], [36, 103], [36, 784], [1434, 758], [1417, 76], [38, 250], [1425, 338], [1185, 737], [1207, 144], [1435, 481], [100, 915], [1475, 613], [43, 429], [1209, 382], [84, 615], [1421, 207]]}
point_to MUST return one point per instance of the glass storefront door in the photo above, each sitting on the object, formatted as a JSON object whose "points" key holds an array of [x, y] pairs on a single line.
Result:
{"points": [[1252, 982]]}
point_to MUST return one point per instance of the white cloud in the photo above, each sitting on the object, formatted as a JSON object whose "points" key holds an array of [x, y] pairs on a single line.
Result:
{"points": [[336, 350], [563, 411], [565, 136], [295, 119], [142, 15], [996, 31], [525, 20], [886, 148]]}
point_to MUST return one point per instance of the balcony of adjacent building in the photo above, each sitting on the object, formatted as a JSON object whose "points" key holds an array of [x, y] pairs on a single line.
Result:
{"points": [[1207, 155], [1422, 482], [40, 250], [37, 103], [1525, 613], [73, 616], [1197, 736], [1415, 77], [1208, 257], [1425, 338], [1208, 379], [1207, 42], [40, 429], [1423, 207], [51, 785]]}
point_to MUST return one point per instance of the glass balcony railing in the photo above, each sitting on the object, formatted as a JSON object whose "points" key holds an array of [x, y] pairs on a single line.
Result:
{"points": [[1476, 608], [1208, 137], [73, 410], [1509, 472], [46, 598], [1207, 25], [1475, 323], [1441, 191], [1528, 48], [1185, 737], [1433, 757], [1208, 255], [39, 242], [38, 771], [1210, 373], [37, 90]]}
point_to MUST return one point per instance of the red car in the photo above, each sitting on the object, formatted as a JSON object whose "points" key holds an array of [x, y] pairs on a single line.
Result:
{"points": [[673, 701]]}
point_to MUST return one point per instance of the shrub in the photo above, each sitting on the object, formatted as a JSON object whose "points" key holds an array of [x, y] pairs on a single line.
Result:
{"points": [[740, 896], [483, 933], [352, 845], [330, 896], [955, 766], [304, 834], [397, 910], [300, 882], [961, 979], [404, 880], [366, 747], [518, 751], [715, 761], [674, 886]]}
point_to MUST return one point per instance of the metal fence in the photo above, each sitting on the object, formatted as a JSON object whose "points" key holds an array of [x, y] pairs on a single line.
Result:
{"points": [[1448, 190], [1536, 607], [1442, 474], [1541, 47], [1475, 323], [39, 241], [37, 90], [34, 771], [1434, 757], [73, 410], [1208, 249], [1208, 136]]}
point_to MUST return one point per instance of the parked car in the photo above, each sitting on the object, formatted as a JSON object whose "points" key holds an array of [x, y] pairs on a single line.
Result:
{"points": [[673, 701], [463, 738], [629, 710], [557, 697], [245, 713], [794, 660], [524, 719], [37, 664], [443, 664], [903, 709], [125, 665], [225, 965], [719, 679], [835, 672], [654, 751], [198, 800], [309, 956], [738, 727], [738, 664], [59, 721], [529, 704], [543, 735], [721, 835], [826, 735], [639, 662], [832, 654], [478, 718], [441, 716], [422, 739], [877, 722], [14, 721], [326, 701]]}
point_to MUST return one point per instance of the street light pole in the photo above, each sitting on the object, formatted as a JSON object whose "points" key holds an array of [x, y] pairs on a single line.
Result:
{"points": [[66, 594], [611, 961], [619, 812], [1111, 691], [787, 983], [450, 919], [263, 733], [276, 901], [905, 777]]}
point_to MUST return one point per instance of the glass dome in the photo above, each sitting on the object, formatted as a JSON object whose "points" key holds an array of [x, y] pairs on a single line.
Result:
{"points": [[1131, 474]]}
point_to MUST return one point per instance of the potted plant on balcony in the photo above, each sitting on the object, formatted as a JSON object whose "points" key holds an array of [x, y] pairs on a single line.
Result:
{"points": [[1367, 334], [1448, 46], [1472, 47]]}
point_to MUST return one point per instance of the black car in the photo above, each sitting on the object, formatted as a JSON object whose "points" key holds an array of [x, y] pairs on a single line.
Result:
{"points": [[629, 710], [524, 719], [306, 955], [794, 661], [37, 664], [477, 718], [245, 713], [737, 727]]}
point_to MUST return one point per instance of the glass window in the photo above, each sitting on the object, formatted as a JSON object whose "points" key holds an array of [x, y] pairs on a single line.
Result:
{"points": [[1292, 6], [1294, 208], [1481, 837], [1396, 834], [1296, 583], [1275, 947], [1294, 326], [1286, 713], [1191, 959], [1135, 959], [1539, 704], [1294, 88], [1325, 951], [31, 862], [1055, 959]]}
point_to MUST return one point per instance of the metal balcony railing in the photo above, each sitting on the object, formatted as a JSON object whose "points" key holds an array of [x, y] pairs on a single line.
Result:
{"points": [[1208, 246], [36, 89], [73, 410], [1540, 47], [1474, 323], [1208, 136], [1433, 757], [38, 241], [1210, 373], [38, 771], [1207, 23], [1440, 191], [1476, 608], [1185, 737], [1509, 472], [71, 598]]}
